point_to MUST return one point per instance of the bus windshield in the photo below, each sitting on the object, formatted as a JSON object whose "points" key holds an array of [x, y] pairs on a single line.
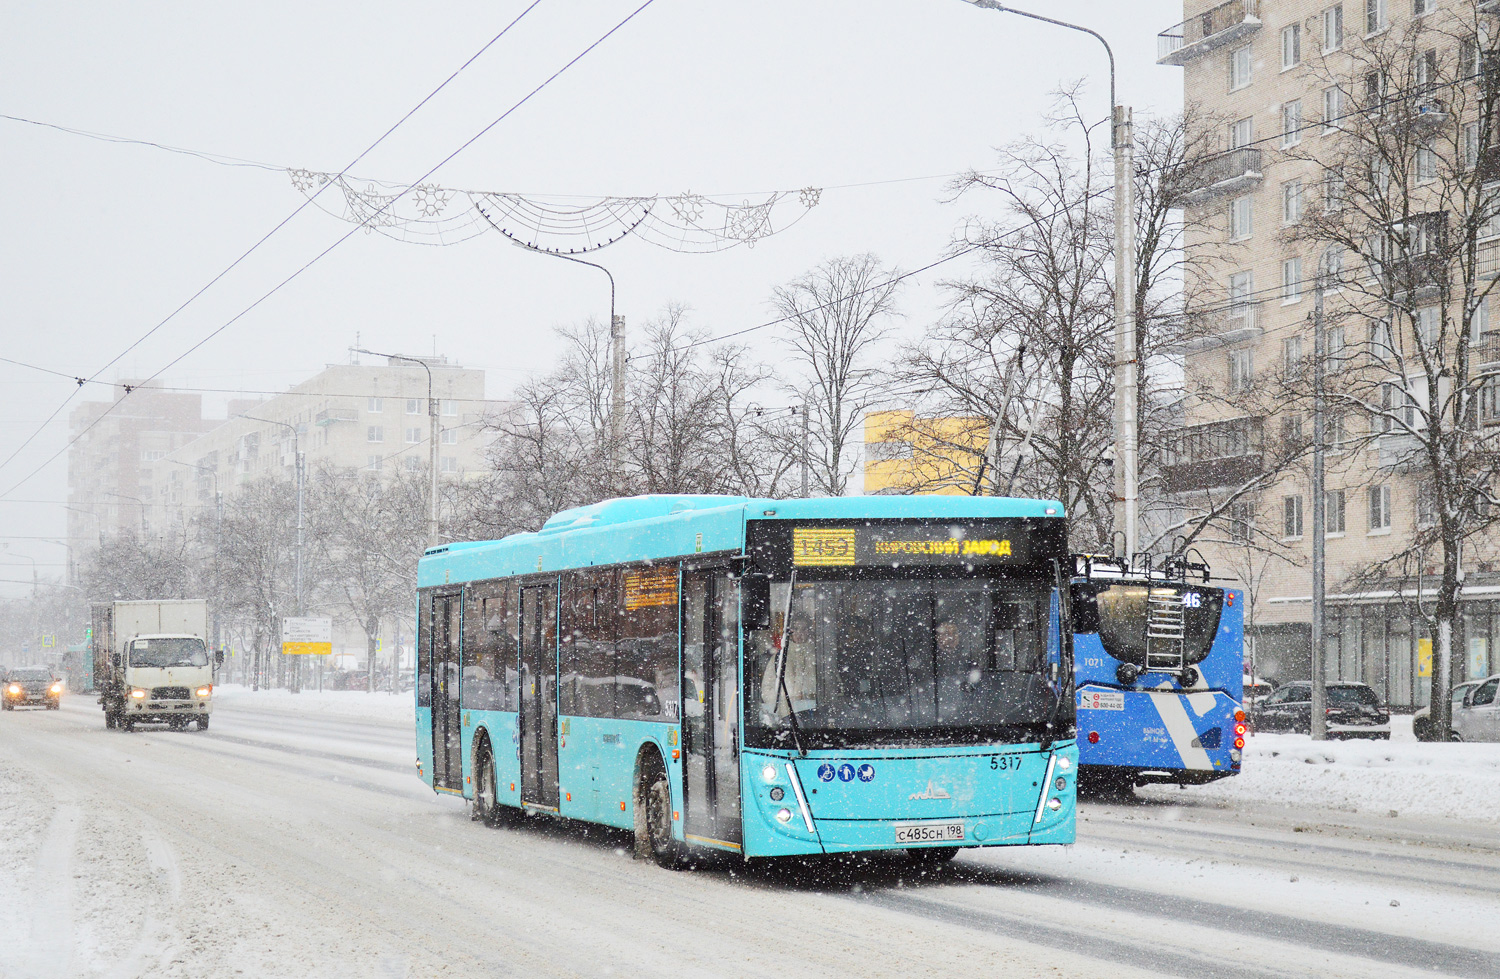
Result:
{"points": [[872, 661], [163, 653]]}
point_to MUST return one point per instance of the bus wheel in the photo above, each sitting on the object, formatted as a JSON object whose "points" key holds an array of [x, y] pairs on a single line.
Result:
{"points": [[484, 789], [654, 826]]}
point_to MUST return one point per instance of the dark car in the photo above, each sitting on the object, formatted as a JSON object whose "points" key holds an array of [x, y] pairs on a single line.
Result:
{"points": [[31, 686], [1354, 710]]}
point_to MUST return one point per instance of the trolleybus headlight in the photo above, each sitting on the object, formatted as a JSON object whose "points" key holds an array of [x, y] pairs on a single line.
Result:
{"points": [[138, 694], [1063, 764], [1054, 804], [784, 816], [777, 794], [768, 773], [1060, 784]]}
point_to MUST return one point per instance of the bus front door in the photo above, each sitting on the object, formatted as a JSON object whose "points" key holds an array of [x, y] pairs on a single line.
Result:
{"points": [[539, 696], [710, 706], [447, 732]]}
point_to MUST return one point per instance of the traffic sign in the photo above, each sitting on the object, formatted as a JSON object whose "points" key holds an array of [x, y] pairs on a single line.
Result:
{"points": [[48, 642], [307, 636]]}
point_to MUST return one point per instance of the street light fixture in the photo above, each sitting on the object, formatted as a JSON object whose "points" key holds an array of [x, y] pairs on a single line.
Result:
{"points": [[1126, 393], [432, 421]]}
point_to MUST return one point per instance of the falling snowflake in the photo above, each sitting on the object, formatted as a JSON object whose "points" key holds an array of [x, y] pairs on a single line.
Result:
{"points": [[431, 199], [810, 197], [688, 207]]}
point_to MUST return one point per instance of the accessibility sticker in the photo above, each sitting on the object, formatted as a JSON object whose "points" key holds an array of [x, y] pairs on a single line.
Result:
{"points": [[866, 773], [846, 772], [825, 772]]}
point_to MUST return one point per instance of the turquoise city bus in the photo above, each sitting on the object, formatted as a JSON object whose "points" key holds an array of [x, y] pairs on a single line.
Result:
{"points": [[763, 677]]}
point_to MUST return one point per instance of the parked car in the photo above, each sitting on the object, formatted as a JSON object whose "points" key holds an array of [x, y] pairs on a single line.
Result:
{"points": [[1256, 689], [31, 686], [1421, 721], [1354, 710], [1477, 716]]}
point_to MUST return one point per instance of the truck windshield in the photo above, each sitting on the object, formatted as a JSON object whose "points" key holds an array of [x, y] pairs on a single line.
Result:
{"points": [[882, 661], [163, 653]]}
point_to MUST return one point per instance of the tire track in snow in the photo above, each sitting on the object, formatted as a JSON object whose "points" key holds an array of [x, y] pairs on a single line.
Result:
{"points": [[146, 955], [50, 943]]}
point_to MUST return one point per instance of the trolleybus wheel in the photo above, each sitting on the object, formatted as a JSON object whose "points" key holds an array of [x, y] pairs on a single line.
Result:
{"points": [[657, 795]]}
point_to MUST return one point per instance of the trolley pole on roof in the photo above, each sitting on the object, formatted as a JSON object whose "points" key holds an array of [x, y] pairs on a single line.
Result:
{"points": [[1127, 482]]}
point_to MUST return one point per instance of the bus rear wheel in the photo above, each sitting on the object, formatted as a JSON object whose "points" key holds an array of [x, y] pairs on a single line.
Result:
{"points": [[654, 828]]}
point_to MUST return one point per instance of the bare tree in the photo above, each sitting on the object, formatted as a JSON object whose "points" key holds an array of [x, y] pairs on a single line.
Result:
{"points": [[837, 314]]}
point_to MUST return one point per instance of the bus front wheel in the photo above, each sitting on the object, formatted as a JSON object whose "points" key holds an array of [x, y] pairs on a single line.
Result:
{"points": [[654, 828], [485, 807]]}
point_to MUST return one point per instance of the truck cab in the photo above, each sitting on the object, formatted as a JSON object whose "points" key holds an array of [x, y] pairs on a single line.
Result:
{"points": [[164, 679]]}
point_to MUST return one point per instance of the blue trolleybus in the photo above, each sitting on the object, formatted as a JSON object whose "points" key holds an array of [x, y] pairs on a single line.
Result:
{"points": [[1159, 662], [764, 677]]}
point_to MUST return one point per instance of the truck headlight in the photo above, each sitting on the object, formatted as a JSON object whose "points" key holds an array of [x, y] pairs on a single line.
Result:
{"points": [[138, 694], [57, 688], [205, 691]]}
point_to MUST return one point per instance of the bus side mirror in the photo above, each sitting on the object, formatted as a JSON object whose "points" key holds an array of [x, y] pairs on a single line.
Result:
{"points": [[755, 601], [219, 658], [114, 660], [1085, 608]]}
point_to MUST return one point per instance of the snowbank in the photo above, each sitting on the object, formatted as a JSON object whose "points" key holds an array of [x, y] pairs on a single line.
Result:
{"points": [[1397, 777], [397, 708]]}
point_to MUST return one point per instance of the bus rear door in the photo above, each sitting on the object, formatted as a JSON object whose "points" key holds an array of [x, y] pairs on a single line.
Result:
{"points": [[539, 696], [710, 699], [447, 733]]}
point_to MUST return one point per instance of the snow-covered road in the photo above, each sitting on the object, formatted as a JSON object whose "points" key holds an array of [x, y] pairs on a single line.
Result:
{"points": [[293, 839]]}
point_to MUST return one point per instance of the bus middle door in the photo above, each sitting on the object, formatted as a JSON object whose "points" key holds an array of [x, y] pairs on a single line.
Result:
{"points": [[539, 696], [710, 706], [447, 720]]}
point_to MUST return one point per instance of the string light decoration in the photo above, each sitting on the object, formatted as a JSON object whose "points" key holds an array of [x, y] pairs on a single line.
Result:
{"points": [[428, 214]]}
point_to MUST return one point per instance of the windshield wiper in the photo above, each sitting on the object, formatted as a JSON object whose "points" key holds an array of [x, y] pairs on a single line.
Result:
{"points": [[781, 691]]}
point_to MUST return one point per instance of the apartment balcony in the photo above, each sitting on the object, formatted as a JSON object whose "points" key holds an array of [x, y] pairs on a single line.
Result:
{"points": [[1210, 30], [1216, 454], [1222, 175], [332, 416], [1419, 277]]}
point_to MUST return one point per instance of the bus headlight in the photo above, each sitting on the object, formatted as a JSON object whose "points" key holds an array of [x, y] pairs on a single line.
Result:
{"points": [[768, 773], [1054, 804], [784, 816], [1063, 764], [138, 694]]}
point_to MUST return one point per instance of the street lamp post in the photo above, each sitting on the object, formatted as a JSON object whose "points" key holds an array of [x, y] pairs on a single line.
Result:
{"points": [[1127, 486], [617, 355], [432, 424], [297, 579]]}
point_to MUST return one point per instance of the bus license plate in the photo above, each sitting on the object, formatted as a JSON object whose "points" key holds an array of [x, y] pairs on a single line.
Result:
{"points": [[929, 832]]}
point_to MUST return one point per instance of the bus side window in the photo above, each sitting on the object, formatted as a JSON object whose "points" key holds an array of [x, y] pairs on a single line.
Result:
{"points": [[646, 650], [424, 651], [510, 652]]}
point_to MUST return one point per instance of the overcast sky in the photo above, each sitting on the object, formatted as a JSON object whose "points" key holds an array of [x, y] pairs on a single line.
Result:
{"points": [[103, 240]]}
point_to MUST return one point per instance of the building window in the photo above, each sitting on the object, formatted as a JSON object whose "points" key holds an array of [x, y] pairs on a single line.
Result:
{"points": [[450, 408], [1291, 516], [449, 464], [1239, 68], [1427, 164], [1241, 312], [413, 436], [1241, 370], [1337, 433], [1333, 108], [376, 406], [1380, 508], [1291, 433], [1331, 266], [1241, 520], [1376, 16], [1291, 123], [153, 455], [1470, 58], [1335, 188], [1291, 356], [1240, 220], [1333, 345], [1428, 324], [1479, 321], [1382, 340], [1291, 202], [1333, 28], [1333, 512], [375, 433], [1291, 46], [1420, 7], [413, 406], [1241, 133], [375, 464], [1291, 280], [1471, 145], [450, 436], [1427, 515]]}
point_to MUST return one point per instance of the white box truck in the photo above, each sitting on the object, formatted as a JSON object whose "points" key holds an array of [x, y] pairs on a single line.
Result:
{"points": [[152, 664]]}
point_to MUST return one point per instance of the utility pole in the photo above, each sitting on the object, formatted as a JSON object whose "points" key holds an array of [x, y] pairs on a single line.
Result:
{"points": [[1319, 705], [806, 451], [617, 386], [299, 469]]}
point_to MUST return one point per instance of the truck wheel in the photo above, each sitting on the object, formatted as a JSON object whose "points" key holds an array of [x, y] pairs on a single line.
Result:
{"points": [[128, 724], [8, 706], [202, 723], [109, 720]]}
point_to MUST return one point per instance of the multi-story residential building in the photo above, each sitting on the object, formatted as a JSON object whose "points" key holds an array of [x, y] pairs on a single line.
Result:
{"points": [[1285, 88], [905, 453], [369, 417], [111, 457]]}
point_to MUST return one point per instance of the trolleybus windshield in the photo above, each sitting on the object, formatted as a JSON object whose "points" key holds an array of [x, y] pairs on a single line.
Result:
{"points": [[876, 660]]}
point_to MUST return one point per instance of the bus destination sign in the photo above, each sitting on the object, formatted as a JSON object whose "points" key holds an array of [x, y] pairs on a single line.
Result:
{"points": [[911, 544]]}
